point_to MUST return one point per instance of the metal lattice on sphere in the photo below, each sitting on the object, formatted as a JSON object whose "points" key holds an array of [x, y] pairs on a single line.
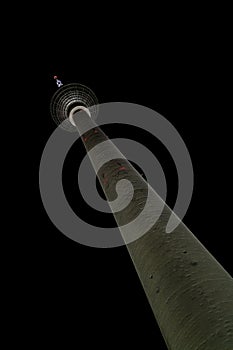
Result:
{"points": [[66, 98]]}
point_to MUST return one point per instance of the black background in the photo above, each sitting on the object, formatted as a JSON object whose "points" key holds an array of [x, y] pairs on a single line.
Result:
{"points": [[82, 294]]}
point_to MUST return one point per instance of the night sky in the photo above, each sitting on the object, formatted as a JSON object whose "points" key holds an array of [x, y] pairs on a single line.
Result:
{"points": [[93, 295]]}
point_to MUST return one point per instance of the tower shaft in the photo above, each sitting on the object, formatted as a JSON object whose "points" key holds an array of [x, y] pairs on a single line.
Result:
{"points": [[190, 293]]}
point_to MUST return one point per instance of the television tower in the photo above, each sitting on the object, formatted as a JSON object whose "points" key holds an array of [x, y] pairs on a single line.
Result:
{"points": [[190, 293]]}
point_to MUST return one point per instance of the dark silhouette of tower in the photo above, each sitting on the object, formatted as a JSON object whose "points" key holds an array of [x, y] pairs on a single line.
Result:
{"points": [[190, 293]]}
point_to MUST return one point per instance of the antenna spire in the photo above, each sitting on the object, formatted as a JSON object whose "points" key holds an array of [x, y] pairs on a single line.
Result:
{"points": [[58, 82]]}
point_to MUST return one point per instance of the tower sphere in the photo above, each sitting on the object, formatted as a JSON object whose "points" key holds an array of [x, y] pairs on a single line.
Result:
{"points": [[69, 96]]}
